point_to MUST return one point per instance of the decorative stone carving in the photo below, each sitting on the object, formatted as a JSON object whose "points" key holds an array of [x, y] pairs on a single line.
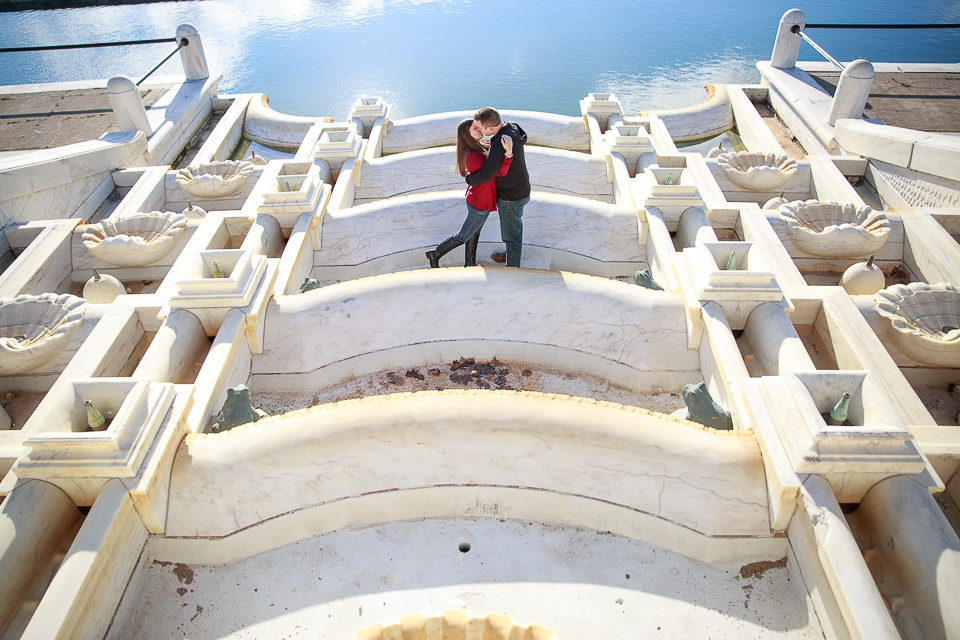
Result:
{"points": [[192, 211], [309, 284], [862, 279], [833, 229], [215, 180], [33, 329], [134, 239], [645, 279], [757, 171], [774, 203], [102, 289], [237, 409], [925, 320], [703, 409]]}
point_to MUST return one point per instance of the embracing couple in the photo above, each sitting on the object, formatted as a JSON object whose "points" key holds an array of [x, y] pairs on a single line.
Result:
{"points": [[497, 179]]}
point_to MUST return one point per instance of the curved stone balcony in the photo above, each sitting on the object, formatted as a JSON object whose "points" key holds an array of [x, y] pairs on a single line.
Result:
{"points": [[479, 488], [633, 337], [551, 170], [536, 455], [560, 233]]}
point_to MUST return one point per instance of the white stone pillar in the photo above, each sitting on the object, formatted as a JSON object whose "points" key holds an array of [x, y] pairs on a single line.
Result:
{"points": [[175, 349], [127, 105], [34, 518], [693, 225], [192, 57], [786, 48], [852, 92], [774, 341], [913, 554]]}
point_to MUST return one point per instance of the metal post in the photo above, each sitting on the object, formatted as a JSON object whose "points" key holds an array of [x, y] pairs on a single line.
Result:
{"points": [[127, 105], [786, 48], [852, 92], [191, 54]]}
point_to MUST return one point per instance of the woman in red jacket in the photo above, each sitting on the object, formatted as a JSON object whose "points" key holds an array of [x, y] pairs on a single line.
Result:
{"points": [[481, 200]]}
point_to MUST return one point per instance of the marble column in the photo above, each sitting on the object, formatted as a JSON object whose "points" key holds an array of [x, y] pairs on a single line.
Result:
{"points": [[34, 518], [127, 105], [174, 350], [852, 92], [775, 343], [914, 556], [191, 56], [786, 48]]}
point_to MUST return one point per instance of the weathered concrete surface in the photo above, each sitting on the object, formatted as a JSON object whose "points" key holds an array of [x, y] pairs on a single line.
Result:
{"points": [[921, 101], [48, 119]]}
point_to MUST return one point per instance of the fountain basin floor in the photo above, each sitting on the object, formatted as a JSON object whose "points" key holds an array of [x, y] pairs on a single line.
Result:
{"points": [[581, 583], [519, 376]]}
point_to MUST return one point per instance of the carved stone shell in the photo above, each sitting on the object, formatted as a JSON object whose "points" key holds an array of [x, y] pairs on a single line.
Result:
{"points": [[757, 171], [835, 230], [925, 320], [33, 329], [134, 239], [215, 180]]}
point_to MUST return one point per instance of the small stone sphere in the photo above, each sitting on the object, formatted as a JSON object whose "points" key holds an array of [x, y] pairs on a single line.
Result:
{"points": [[861, 280], [103, 291]]}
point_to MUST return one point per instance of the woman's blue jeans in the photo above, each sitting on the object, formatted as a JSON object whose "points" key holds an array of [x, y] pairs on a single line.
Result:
{"points": [[472, 223]]}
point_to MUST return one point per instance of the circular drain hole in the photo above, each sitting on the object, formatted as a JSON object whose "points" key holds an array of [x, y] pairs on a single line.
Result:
{"points": [[464, 547]]}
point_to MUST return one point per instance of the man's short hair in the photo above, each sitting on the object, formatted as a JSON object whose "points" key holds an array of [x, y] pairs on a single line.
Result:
{"points": [[488, 117]]}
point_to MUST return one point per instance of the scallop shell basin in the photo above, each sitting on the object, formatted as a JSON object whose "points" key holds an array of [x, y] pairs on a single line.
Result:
{"points": [[215, 180], [134, 239], [33, 329], [835, 230], [925, 320], [757, 171]]}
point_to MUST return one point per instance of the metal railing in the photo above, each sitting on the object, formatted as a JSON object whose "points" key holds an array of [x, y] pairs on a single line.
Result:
{"points": [[800, 31], [181, 43]]}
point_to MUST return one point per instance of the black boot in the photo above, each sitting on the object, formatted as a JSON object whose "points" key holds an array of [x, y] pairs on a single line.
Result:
{"points": [[442, 249], [470, 250]]}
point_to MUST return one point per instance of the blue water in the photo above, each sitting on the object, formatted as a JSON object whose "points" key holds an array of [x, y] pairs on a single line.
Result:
{"points": [[315, 57]]}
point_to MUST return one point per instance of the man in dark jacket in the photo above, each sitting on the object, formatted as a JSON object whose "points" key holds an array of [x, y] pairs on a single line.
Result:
{"points": [[513, 189]]}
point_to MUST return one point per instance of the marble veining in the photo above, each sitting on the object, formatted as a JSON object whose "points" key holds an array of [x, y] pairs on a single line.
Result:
{"points": [[134, 239], [33, 329], [609, 319], [557, 170], [439, 129], [586, 227], [643, 461], [925, 320]]}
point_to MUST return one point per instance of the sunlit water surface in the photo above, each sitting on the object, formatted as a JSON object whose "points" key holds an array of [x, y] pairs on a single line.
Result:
{"points": [[315, 57]]}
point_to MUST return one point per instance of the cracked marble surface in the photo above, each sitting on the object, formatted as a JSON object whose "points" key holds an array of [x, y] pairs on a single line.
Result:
{"points": [[615, 321], [547, 129], [588, 228], [551, 170], [711, 482]]}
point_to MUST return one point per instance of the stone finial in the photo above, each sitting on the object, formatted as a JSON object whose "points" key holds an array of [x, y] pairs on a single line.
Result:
{"points": [[645, 279], [703, 409], [237, 409]]}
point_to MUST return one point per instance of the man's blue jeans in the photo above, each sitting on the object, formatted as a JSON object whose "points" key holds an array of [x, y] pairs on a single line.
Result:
{"points": [[472, 223], [511, 228]]}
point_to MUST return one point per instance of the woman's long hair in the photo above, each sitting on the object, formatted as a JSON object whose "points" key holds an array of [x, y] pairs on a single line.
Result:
{"points": [[466, 144]]}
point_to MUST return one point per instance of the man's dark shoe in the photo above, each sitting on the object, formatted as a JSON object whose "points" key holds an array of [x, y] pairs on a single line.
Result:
{"points": [[499, 256]]}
